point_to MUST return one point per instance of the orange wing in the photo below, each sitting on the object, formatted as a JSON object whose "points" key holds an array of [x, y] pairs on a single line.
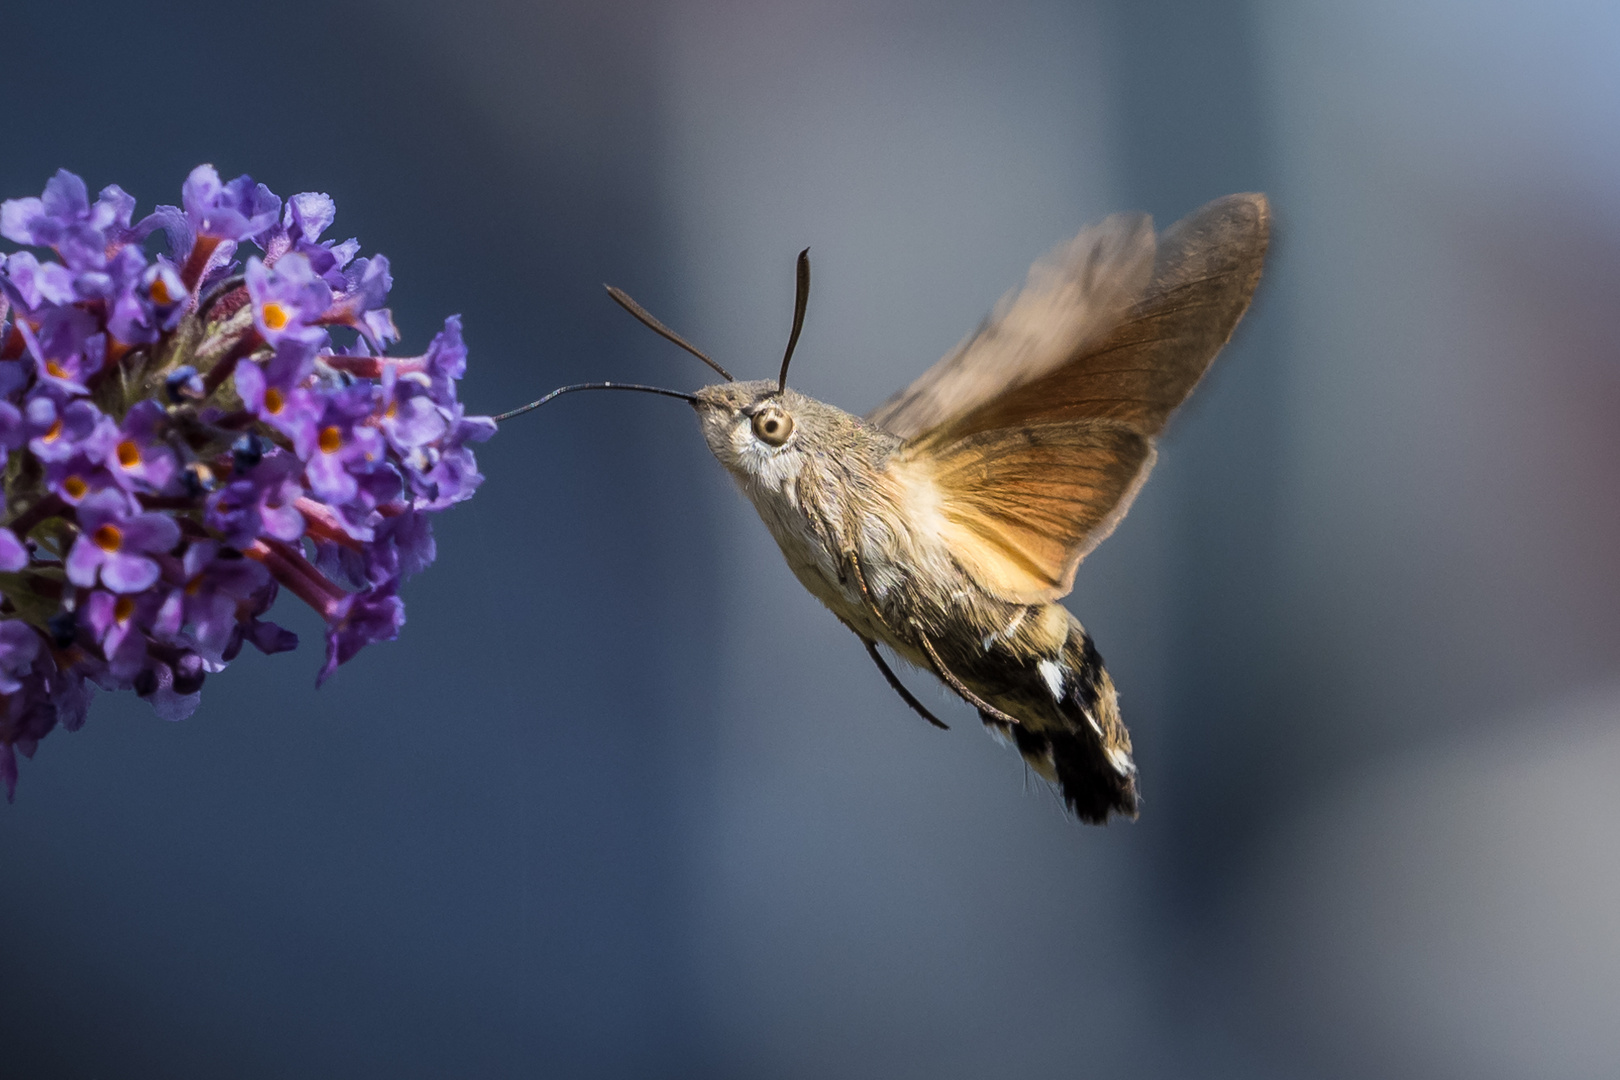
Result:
{"points": [[1031, 462]]}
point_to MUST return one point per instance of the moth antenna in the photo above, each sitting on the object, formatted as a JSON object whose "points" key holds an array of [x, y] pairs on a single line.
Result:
{"points": [[801, 299], [561, 390], [622, 298]]}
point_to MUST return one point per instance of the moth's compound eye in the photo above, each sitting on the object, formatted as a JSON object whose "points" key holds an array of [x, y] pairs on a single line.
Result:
{"points": [[772, 425]]}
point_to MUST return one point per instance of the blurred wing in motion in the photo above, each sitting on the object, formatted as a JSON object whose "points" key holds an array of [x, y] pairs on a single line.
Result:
{"points": [[1027, 443], [1069, 301]]}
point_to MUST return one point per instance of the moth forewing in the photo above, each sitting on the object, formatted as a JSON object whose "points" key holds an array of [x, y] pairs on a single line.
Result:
{"points": [[1204, 274]]}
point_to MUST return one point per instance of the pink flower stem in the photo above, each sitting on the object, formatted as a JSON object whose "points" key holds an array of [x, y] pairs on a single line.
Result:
{"points": [[324, 525], [201, 252], [371, 367], [301, 579]]}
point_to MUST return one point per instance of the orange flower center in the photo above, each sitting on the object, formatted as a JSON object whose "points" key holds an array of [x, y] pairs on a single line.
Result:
{"points": [[331, 440], [194, 586], [55, 369], [275, 316], [160, 292], [392, 410], [108, 537], [55, 432], [272, 400], [75, 487], [124, 608], [129, 455]]}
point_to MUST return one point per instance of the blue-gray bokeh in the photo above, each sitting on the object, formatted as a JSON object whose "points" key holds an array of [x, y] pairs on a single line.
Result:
{"points": [[623, 801]]}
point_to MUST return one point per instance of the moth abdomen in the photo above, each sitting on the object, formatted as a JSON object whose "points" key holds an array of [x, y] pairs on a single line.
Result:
{"points": [[1070, 731]]}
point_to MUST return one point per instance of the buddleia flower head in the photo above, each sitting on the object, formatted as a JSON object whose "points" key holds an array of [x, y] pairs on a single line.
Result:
{"points": [[182, 438]]}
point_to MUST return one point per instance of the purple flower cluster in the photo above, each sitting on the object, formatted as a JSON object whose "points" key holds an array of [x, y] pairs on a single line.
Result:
{"points": [[181, 436]]}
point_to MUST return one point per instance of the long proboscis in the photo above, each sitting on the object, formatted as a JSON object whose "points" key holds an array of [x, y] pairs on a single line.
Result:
{"points": [[646, 318], [690, 399]]}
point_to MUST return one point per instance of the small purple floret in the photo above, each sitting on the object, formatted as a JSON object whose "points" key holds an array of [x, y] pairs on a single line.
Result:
{"points": [[237, 210], [288, 299], [64, 219], [118, 545], [362, 618]]}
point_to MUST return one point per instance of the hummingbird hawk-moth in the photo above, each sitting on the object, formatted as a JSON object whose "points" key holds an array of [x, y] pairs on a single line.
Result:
{"points": [[948, 523]]}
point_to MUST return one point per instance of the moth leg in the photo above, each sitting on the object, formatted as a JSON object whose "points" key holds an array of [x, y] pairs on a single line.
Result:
{"points": [[899, 687], [866, 594], [854, 561], [877, 658], [989, 710], [940, 669]]}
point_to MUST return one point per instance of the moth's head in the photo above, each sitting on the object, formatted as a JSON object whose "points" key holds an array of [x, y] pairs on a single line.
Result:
{"points": [[758, 430]]}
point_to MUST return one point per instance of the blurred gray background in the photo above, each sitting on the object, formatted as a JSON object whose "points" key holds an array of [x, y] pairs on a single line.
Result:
{"points": [[624, 802]]}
